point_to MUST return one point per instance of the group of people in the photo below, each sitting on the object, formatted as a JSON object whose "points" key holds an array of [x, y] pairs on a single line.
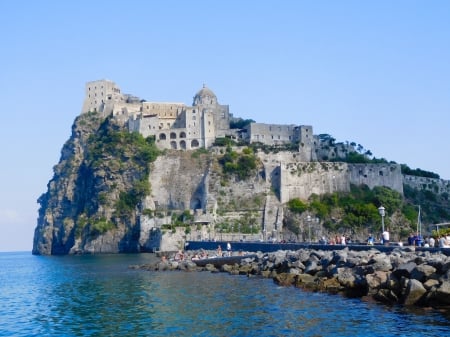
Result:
{"points": [[414, 239], [384, 238], [442, 241], [338, 240], [221, 253]]}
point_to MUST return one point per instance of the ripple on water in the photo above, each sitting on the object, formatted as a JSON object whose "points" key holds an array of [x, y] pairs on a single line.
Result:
{"points": [[100, 296]]}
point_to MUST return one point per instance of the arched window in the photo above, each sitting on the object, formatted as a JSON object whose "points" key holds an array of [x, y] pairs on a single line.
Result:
{"points": [[162, 136], [194, 143], [183, 145], [173, 135], [182, 134], [173, 145]]}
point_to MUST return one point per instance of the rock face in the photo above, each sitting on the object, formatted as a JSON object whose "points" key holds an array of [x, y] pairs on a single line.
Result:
{"points": [[113, 192], [87, 207]]}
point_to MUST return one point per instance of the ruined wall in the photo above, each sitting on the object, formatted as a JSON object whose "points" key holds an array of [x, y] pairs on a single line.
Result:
{"points": [[438, 186]]}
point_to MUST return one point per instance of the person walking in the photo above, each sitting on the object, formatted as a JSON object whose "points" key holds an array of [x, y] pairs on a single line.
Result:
{"points": [[385, 237], [432, 242]]}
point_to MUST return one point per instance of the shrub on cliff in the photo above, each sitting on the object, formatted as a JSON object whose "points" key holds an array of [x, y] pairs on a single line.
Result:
{"points": [[243, 165]]}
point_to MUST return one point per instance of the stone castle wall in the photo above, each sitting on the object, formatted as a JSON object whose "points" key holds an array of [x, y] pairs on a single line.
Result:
{"points": [[372, 175], [272, 134], [302, 179], [438, 186]]}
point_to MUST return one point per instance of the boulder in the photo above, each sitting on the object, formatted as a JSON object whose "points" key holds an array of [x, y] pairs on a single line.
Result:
{"points": [[443, 292], [284, 279], [376, 280], [422, 272], [386, 296], [404, 270], [413, 292]]}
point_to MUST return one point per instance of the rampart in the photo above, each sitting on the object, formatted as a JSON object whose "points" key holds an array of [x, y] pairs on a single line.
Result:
{"points": [[301, 180]]}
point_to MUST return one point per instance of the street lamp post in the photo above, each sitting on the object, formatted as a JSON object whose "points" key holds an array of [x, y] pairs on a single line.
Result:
{"points": [[382, 212], [239, 236], [308, 219]]}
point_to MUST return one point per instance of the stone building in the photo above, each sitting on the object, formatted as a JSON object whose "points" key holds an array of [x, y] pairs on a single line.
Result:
{"points": [[179, 126], [174, 125]]}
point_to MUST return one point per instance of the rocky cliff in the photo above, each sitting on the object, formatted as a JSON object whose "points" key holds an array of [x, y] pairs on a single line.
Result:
{"points": [[113, 191], [90, 202]]}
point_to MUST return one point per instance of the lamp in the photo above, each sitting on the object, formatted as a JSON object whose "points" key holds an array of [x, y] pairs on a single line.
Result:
{"points": [[382, 212]]}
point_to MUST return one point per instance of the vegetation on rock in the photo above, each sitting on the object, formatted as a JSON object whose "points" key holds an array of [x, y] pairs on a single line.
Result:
{"points": [[243, 165], [355, 212]]}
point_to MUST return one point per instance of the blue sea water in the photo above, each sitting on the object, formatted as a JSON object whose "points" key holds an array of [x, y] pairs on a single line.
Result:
{"points": [[101, 296]]}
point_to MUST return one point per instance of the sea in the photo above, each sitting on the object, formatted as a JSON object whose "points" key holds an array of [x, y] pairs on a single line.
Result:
{"points": [[100, 295]]}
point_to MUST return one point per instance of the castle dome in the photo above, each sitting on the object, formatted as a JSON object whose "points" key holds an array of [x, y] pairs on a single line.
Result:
{"points": [[205, 96], [205, 92]]}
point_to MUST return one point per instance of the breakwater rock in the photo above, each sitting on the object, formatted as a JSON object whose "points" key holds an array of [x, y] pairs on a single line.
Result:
{"points": [[402, 276]]}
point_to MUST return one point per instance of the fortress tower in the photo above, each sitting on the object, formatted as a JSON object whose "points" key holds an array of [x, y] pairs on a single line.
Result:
{"points": [[100, 94]]}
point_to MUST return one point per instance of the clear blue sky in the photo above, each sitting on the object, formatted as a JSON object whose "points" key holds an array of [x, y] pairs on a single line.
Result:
{"points": [[374, 72]]}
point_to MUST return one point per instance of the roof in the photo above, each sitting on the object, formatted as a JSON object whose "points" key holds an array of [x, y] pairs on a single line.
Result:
{"points": [[205, 92]]}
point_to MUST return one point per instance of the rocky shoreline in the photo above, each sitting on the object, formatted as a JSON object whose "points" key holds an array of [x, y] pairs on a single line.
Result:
{"points": [[403, 276]]}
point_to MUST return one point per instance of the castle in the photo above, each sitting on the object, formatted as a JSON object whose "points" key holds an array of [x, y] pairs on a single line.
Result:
{"points": [[181, 127], [178, 126]]}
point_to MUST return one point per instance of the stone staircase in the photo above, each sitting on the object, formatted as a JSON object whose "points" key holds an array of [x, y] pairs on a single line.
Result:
{"points": [[273, 216]]}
